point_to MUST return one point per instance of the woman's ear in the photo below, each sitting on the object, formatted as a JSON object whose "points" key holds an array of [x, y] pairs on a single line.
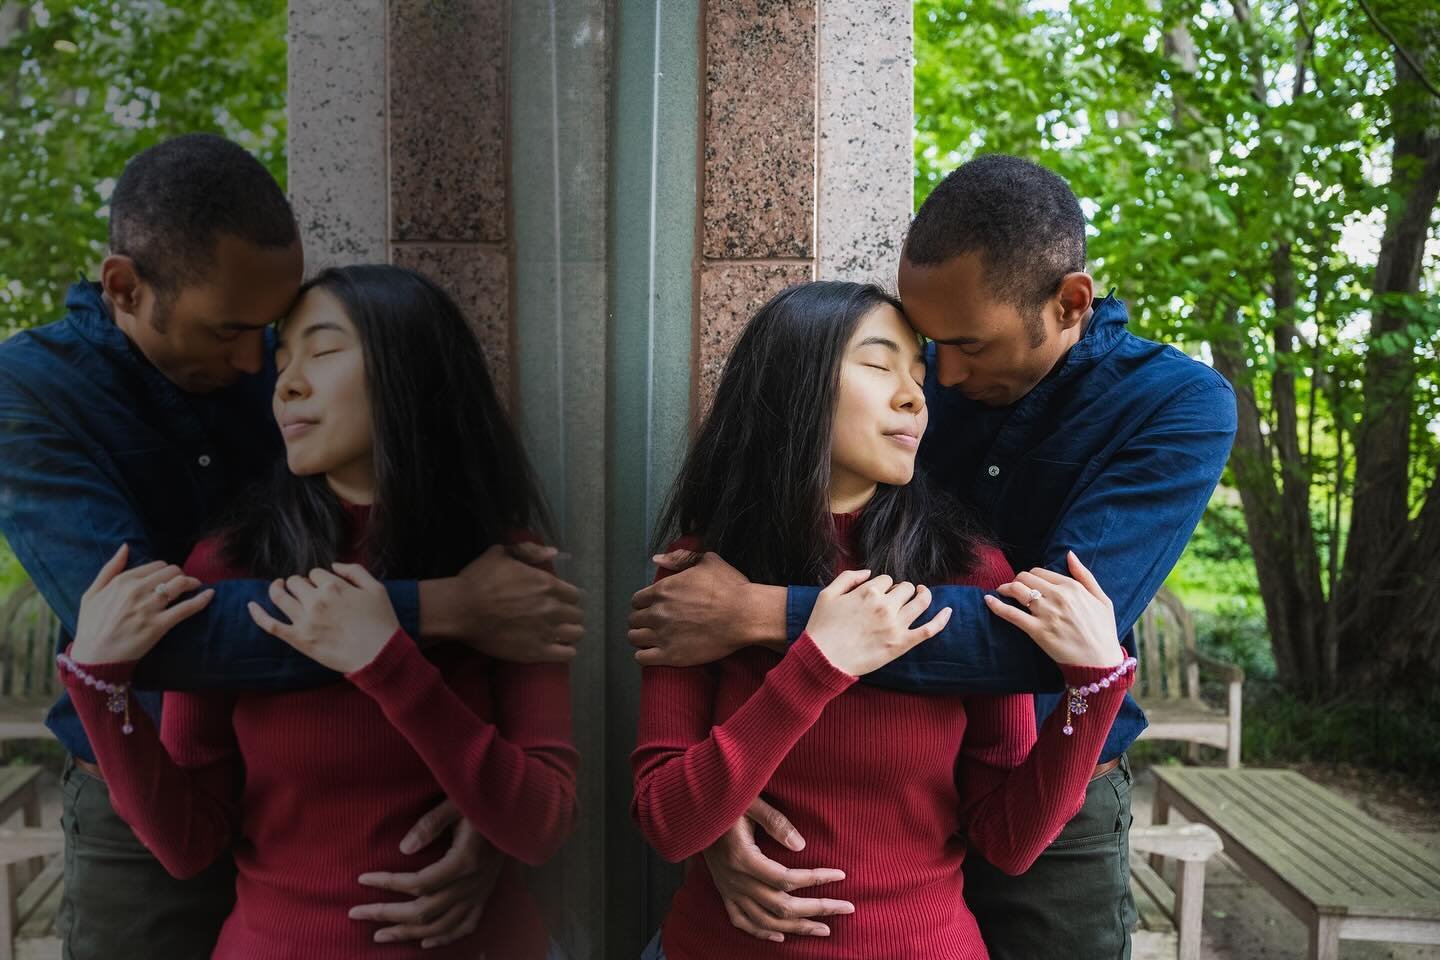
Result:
{"points": [[1077, 293]]}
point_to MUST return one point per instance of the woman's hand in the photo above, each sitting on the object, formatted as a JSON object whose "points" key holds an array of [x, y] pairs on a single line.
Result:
{"points": [[861, 624], [126, 612], [340, 618], [1071, 620]]}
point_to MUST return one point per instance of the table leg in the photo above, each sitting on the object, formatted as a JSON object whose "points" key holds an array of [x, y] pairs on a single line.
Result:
{"points": [[1159, 816], [1324, 939]]}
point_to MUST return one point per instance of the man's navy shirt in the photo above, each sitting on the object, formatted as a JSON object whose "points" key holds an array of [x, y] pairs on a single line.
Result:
{"points": [[1114, 455], [98, 448]]}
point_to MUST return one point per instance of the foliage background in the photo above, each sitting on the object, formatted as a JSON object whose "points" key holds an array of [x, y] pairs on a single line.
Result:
{"points": [[90, 84], [93, 83]]}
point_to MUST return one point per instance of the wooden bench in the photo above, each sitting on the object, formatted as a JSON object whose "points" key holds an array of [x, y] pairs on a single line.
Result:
{"points": [[29, 685], [1165, 645], [1170, 918], [1344, 875], [30, 886]]}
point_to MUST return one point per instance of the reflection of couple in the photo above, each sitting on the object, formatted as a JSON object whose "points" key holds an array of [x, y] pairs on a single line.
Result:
{"points": [[1063, 436], [445, 758]]}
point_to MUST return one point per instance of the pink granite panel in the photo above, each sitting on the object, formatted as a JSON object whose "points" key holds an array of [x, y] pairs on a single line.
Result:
{"points": [[479, 280], [730, 293], [760, 128], [447, 120]]}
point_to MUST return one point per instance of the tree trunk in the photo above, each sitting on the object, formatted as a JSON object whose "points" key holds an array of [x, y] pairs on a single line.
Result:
{"points": [[1388, 587]]}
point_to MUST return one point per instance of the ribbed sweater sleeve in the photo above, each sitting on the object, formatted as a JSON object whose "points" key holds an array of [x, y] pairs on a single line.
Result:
{"points": [[1017, 790], [693, 777], [514, 779], [186, 815]]}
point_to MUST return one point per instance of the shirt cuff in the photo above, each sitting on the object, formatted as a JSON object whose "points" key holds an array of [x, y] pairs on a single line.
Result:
{"points": [[405, 598], [799, 604]]}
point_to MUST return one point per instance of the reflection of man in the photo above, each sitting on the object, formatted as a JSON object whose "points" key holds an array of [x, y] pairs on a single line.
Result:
{"points": [[1066, 432], [133, 420]]}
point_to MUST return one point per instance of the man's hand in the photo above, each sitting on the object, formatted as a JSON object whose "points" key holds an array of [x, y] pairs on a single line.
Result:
{"points": [[756, 890], [449, 895], [505, 606], [702, 614]]}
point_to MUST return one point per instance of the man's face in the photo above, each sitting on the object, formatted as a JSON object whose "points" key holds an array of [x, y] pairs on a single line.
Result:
{"points": [[983, 348], [208, 333]]}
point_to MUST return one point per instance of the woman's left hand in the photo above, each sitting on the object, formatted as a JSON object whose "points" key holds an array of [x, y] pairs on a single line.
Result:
{"points": [[341, 618], [1072, 620]]}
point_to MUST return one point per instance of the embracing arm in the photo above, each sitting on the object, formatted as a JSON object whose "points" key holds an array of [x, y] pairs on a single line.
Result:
{"points": [[1130, 525], [64, 517], [694, 778], [513, 779], [1017, 792], [182, 802]]}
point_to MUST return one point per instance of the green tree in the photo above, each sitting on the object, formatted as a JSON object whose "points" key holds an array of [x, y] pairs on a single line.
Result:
{"points": [[1261, 182], [91, 83]]}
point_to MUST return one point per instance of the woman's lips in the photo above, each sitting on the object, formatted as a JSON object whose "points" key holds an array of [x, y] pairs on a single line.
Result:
{"points": [[295, 428], [907, 440]]}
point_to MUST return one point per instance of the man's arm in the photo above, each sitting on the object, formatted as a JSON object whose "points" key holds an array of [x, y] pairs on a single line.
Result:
{"points": [[64, 517], [1129, 526]]}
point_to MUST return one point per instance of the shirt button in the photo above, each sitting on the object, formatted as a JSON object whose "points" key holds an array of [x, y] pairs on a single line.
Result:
{"points": [[994, 471], [204, 459]]}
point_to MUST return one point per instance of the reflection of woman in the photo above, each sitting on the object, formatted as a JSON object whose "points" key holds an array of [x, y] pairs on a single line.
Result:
{"points": [[802, 470], [401, 461]]}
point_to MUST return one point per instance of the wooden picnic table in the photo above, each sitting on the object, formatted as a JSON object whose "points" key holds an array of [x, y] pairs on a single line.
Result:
{"points": [[1331, 864]]}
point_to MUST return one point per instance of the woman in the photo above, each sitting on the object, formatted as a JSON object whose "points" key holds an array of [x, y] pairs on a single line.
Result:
{"points": [[804, 469], [401, 463]]}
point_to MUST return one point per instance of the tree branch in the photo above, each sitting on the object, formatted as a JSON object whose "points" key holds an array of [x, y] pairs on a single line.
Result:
{"points": [[1400, 51]]}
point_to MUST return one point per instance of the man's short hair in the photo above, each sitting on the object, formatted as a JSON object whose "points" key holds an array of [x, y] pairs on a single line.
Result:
{"points": [[174, 199], [1022, 219]]}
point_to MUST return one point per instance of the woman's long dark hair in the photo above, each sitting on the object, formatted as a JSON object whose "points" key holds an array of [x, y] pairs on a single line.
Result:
{"points": [[451, 476], [755, 486]]}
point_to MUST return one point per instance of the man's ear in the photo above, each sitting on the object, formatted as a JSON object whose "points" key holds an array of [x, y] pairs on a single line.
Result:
{"points": [[1077, 293], [122, 284]]}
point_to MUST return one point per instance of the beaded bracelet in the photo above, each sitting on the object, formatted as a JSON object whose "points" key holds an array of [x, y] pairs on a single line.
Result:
{"points": [[119, 693], [1075, 701]]}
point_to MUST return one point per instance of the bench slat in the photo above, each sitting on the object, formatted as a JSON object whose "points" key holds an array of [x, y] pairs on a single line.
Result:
{"points": [[1348, 837], [1333, 854]]}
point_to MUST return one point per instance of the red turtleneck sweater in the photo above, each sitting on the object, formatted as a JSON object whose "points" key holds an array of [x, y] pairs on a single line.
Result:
{"points": [[887, 786], [310, 789]]}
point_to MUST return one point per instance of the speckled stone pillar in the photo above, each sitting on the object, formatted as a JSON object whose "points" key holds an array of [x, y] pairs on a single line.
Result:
{"points": [[758, 213], [447, 149], [806, 156], [866, 103]]}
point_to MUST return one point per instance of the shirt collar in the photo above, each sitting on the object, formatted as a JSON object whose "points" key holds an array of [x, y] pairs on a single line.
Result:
{"points": [[1108, 317]]}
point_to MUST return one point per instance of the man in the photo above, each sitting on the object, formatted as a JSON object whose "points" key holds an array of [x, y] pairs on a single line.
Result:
{"points": [[1065, 432], [134, 420]]}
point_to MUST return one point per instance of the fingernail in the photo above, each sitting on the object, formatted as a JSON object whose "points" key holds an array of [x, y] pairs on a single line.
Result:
{"points": [[777, 938], [355, 913], [795, 842], [408, 846]]}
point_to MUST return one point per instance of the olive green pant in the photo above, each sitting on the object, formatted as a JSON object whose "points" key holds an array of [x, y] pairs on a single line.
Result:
{"points": [[1075, 901], [119, 902]]}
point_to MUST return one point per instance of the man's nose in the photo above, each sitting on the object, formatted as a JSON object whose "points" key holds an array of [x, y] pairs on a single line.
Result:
{"points": [[950, 366], [249, 354]]}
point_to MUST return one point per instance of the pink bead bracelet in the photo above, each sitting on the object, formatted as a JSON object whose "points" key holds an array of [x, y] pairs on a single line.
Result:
{"points": [[119, 693], [1075, 701]]}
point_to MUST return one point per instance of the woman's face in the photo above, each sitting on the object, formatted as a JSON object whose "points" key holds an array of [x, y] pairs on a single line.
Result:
{"points": [[880, 413], [321, 403]]}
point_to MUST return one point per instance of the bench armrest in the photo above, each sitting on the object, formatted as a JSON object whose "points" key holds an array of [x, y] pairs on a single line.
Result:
{"points": [[1188, 842], [26, 843], [1229, 671]]}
